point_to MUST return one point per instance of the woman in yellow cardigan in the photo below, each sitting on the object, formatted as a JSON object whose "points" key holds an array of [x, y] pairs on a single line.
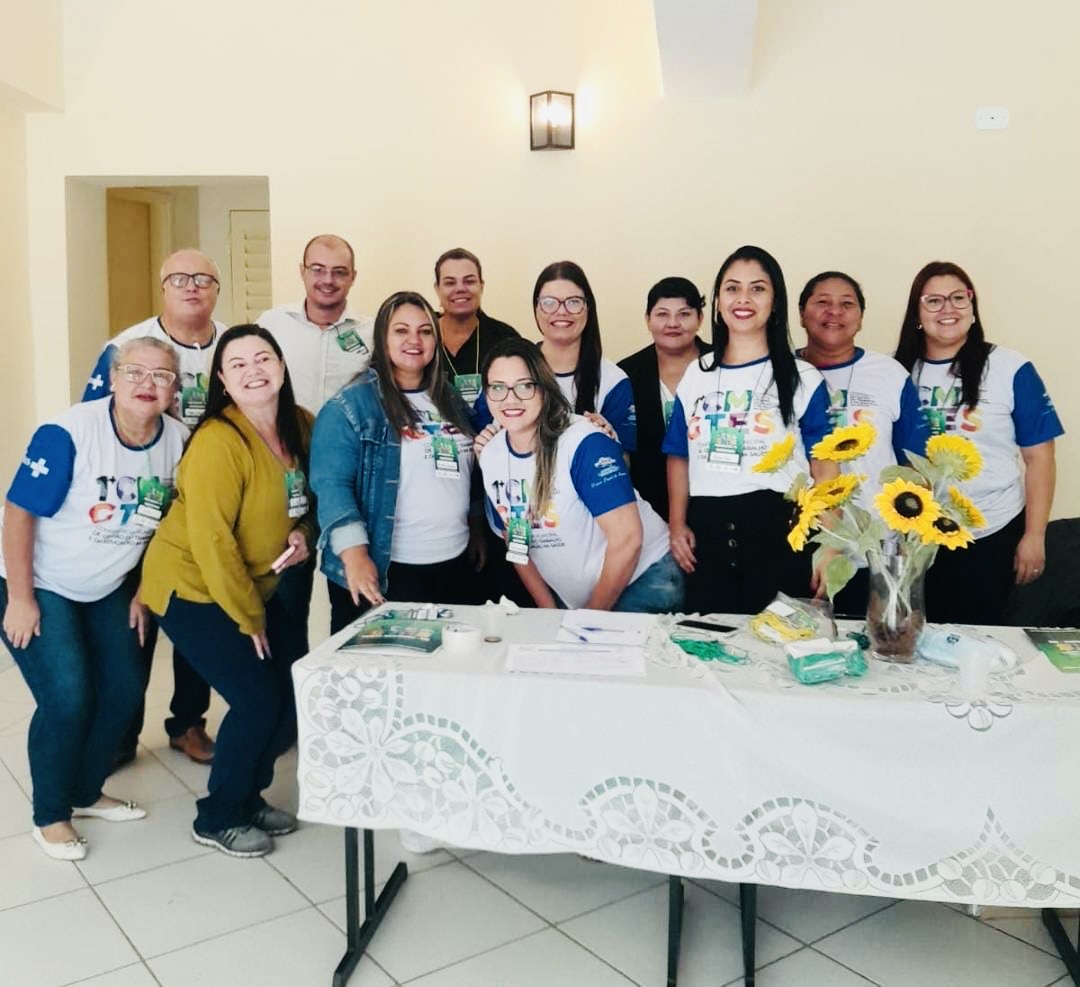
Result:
{"points": [[211, 569]]}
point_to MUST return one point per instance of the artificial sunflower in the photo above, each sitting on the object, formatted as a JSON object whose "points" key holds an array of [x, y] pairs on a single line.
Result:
{"points": [[905, 506], [945, 531], [837, 491], [969, 513], [808, 509], [844, 443], [956, 455], [777, 457]]}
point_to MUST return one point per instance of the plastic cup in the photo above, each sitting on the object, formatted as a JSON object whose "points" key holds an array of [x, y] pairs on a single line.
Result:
{"points": [[493, 622], [974, 674]]}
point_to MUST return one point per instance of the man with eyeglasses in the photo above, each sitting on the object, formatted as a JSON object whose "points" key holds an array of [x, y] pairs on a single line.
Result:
{"points": [[325, 346], [190, 283]]}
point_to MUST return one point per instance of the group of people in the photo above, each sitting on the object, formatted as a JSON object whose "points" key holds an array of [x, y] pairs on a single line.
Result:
{"points": [[438, 456]]}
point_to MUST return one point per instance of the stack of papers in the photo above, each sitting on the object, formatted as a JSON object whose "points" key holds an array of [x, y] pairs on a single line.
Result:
{"points": [[579, 659]]}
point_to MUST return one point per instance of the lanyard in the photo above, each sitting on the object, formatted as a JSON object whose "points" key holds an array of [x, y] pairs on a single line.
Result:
{"points": [[450, 361]]}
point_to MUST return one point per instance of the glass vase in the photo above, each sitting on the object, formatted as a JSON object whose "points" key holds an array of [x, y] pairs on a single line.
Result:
{"points": [[895, 614]]}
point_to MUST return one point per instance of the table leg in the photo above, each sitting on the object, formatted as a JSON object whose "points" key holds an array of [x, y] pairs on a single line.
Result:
{"points": [[748, 907], [357, 934], [674, 927], [1066, 949]]}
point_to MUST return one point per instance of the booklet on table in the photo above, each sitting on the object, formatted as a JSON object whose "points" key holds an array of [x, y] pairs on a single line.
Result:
{"points": [[397, 631], [1062, 647]]}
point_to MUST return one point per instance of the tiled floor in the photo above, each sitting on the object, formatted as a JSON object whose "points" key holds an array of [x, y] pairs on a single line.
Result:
{"points": [[148, 906]]}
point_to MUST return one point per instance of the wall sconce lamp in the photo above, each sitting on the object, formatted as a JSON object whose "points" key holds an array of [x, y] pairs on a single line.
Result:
{"points": [[551, 119]]}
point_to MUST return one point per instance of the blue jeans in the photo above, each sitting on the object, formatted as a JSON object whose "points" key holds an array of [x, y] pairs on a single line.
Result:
{"points": [[261, 721], [659, 589], [86, 677], [294, 590]]}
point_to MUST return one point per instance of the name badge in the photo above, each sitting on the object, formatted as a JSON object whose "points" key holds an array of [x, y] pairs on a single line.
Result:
{"points": [[296, 493], [518, 536], [725, 448], [468, 386], [153, 502], [192, 404], [350, 342], [445, 451]]}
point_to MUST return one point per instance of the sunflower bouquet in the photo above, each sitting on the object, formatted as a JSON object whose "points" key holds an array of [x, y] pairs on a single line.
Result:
{"points": [[897, 532]]}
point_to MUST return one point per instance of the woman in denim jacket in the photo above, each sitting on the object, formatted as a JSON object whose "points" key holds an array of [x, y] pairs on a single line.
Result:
{"points": [[392, 468]]}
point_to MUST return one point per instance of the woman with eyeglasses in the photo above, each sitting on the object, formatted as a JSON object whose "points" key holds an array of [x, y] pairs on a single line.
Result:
{"points": [[565, 311], [240, 518], [864, 386], [92, 487], [751, 398], [392, 466], [994, 397], [559, 492]]}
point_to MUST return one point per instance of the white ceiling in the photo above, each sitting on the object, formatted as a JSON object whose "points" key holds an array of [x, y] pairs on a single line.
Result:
{"points": [[706, 46]]}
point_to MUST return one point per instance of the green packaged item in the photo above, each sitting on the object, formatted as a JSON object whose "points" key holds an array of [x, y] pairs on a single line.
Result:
{"points": [[709, 649], [822, 660]]}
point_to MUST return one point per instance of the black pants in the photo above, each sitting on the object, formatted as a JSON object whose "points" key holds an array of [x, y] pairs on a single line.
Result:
{"points": [[743, 558], [294, 590], [972, 585], [453, 581], [190, 699]]}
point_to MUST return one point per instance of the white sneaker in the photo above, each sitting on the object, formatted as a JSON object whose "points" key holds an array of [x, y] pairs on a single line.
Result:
{"points": [[416, 842]]}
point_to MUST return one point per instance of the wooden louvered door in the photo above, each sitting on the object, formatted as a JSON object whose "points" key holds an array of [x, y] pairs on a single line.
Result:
{"points": [[249, 257]]}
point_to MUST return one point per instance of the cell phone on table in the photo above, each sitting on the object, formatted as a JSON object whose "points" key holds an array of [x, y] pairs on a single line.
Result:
{"points": [[706, 625], [283, 558]]}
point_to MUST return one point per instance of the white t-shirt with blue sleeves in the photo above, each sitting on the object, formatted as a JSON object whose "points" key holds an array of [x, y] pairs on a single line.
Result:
{"points": [[190, 401], [614, 400], [875, 389], [726, 419], [90, 494], [567, 545], [1013, 413]]}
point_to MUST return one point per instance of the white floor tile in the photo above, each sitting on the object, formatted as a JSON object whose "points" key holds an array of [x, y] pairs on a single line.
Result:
{"points": [[439, 917], [194, 777], [16, 813], [145, 780], [805, 968], [13, 687], [120, 849], [14, 755], [129, 976], [33, 954], [184, 903], [28, 875], [917, 943], [313, 859], [632, 936], [560, 886], [15, 718], [1031, 930], [299, 950], [542, 960], [809, 915]]}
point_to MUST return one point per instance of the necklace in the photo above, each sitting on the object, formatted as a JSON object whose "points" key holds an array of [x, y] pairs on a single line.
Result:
{"points": [[125, 436], [449, 359]]}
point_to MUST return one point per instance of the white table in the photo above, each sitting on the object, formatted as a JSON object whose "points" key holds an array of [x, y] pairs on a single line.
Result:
{"points": [[893, 784]]}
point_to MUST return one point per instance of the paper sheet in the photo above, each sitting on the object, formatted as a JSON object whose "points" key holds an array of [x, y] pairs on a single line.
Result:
{"points": [[580, 659], [605, 627]]}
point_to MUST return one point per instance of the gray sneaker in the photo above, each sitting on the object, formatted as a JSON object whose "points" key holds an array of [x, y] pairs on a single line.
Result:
{"points": [[275, 822], [238, 841]]}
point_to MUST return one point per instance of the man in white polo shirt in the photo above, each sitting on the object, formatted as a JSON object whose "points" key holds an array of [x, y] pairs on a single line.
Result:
{"points": [[190, 283], [324, 345]]}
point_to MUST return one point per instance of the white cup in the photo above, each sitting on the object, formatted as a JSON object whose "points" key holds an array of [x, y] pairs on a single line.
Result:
{"points": [[493, 622], [974, 673]]}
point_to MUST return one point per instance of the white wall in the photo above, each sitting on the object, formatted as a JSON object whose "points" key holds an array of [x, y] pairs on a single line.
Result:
{"points": [[404, 128]]}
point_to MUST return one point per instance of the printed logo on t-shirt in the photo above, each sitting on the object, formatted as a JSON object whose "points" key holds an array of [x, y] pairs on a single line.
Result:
{"points": [[511, 499], [120, 499], [712, 413], [847, 407], [944, 413]]}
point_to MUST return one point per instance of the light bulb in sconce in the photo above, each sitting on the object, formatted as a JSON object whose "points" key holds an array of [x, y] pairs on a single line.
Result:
{"points": [[551, 120]]}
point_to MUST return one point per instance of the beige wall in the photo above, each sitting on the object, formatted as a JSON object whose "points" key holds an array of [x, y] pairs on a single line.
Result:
{"points": [[215, 204], [31, 55], [17, 393], [87, 293], [403, 127]]}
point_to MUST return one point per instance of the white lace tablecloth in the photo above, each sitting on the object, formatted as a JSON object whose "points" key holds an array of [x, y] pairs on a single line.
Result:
{"points": [[893, 784]]}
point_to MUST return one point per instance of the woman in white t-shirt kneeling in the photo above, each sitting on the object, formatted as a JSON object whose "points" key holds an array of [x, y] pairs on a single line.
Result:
{"points": [[558, 490]]}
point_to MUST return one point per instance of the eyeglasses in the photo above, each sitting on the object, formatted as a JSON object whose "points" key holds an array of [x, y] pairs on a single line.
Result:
{"points": [[958, 299], [135, 373], [335, 273], [180, 280], [523, 390], [549, 304]]}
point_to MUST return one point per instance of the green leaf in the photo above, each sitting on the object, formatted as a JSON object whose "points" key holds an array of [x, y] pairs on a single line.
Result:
{"points": [[890, 473], [931, 474], [837, 574]]}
